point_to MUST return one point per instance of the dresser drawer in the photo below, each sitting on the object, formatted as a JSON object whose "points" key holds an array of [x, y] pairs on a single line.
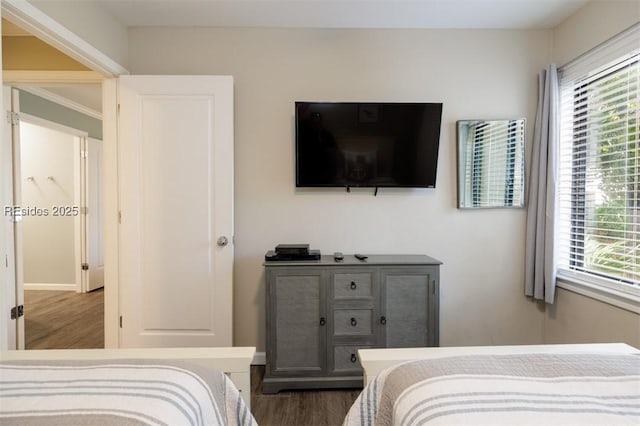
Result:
{"points": [[345, 358], [352, 285], [353, 322]]}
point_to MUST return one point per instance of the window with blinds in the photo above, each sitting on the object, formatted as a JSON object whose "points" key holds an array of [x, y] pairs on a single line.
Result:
{"points": [[599, 166]]}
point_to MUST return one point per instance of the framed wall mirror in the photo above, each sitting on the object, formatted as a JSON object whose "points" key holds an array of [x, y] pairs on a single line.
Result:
{"points": [[491, 163]]}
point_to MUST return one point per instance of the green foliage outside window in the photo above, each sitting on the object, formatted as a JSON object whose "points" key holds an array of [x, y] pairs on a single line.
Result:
{"points": [[612, 244]]}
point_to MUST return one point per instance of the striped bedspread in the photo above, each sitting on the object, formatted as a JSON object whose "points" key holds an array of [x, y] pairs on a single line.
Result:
{"points": [[533, 389], [125, 392]]}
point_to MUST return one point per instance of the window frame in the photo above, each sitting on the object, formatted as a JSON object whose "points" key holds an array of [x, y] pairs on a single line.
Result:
{"points": [[612, 290]]}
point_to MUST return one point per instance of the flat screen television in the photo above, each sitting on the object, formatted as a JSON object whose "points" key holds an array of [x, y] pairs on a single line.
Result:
{"points": [[351, 144]]}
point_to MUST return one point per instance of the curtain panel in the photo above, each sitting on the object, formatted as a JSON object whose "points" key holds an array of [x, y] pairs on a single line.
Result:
{"points": [[540, 268]]}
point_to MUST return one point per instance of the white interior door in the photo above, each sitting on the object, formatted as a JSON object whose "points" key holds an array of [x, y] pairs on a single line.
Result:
{"points": [[175, 147], [93, 251]]}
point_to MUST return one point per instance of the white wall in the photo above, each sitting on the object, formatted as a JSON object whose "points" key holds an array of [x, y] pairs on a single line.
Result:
{"points": [[476, 74], [576, 318], [48, 239], [579, 319], [591, 25], [92, 24]]}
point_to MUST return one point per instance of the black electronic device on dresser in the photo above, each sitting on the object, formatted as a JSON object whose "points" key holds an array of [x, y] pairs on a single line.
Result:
{"points": [[289, 249], [319, 313], [291, 252]]}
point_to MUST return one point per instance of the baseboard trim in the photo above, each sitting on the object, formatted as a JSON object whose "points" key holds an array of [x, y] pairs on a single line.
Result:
{"points": [[260, 358], [50, 286]]}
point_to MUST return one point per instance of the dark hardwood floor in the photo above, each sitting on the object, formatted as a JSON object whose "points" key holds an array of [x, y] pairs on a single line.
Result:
{"points": [[299, 408], [64, 319]]}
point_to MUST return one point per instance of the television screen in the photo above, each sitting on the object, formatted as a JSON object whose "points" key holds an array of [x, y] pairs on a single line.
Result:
{"points": [[349, 144]]}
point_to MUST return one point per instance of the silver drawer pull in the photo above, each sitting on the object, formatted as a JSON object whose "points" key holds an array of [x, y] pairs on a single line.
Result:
{"points": [[353, 285], [353, 322], [353, 358]]}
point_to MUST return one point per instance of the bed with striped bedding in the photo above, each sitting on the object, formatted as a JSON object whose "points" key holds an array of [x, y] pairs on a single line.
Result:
{"points": [[122, 392], [525, 389]]}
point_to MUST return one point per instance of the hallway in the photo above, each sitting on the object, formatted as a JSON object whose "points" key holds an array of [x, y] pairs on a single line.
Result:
{"points": [[64, 319]]}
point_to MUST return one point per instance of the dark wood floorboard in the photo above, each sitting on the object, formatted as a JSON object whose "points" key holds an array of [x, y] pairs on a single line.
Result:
{"points": [[64, 319], [299, 408]]}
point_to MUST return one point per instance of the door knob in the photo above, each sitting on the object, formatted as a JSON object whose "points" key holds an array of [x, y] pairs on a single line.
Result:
{"points": [[223, 241]]}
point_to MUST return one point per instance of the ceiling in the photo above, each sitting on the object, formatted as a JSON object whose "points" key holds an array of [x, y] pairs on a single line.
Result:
{"points": [[515, 14], [471, 14]]}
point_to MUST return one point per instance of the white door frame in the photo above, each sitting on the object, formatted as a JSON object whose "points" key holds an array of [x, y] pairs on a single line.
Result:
{"points": [[110, 209], [8, 290], [39, 24], [18, 271]]}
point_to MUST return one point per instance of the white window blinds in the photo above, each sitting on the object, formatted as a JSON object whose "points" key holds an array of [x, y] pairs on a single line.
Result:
{"points": [[599, 164]]}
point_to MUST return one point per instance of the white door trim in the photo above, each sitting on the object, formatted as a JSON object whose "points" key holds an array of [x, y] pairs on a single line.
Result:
{"points": [[17, 225], [8, 327], [110, 210], [36, 22], [50, 78]]}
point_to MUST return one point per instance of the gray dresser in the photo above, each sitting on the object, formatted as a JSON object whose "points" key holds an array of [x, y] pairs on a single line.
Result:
{"points": [[320, 312]]}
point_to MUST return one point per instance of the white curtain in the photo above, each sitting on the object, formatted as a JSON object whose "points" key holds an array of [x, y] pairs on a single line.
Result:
{"points": [[540, 268]]}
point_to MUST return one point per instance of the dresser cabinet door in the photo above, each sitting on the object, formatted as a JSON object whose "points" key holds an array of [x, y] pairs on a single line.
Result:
{"points": [[297, 323], [407, 307]]}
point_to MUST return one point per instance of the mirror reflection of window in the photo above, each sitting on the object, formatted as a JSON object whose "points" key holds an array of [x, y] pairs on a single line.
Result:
{"points": [[491, 163]]}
